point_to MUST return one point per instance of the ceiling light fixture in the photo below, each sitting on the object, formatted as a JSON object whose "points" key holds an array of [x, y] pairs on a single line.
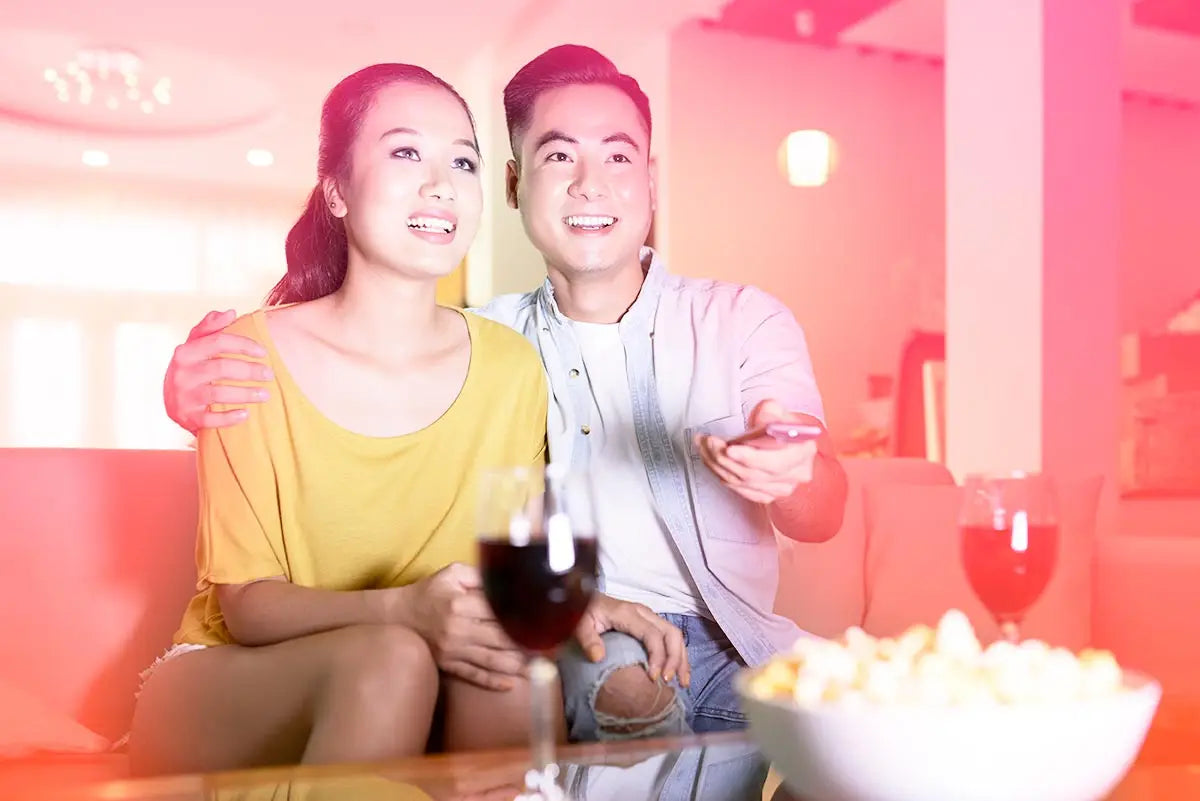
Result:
{"points": [[259, 157], [108, 77], [95, 158]]}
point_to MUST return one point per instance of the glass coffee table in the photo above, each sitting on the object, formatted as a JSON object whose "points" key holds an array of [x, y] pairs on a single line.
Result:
{"points": [[724, 767]]}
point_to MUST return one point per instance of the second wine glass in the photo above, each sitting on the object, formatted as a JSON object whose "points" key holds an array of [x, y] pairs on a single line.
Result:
{"points": [[1009, 527]]}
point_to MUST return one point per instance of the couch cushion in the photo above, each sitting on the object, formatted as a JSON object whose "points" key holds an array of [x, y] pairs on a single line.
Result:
{"points": [[821, 585], [28, 726], [914, 568], [98, 548]]}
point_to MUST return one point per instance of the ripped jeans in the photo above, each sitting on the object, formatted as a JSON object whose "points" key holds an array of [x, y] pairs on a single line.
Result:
{"points": [[709, 704]]}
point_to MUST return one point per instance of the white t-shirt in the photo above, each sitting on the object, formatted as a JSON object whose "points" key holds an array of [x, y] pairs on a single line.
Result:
{"points": [[631, 533]]}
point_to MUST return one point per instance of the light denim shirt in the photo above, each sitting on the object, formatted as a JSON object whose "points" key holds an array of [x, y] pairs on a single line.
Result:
{"points": [[717, 350]]}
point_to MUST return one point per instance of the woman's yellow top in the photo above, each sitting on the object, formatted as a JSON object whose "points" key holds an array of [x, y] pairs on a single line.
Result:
{"points": [[289, 492]]}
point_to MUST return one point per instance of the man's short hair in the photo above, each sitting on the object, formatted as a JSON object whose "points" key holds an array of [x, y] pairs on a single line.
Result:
{"points": [[565, 65]]}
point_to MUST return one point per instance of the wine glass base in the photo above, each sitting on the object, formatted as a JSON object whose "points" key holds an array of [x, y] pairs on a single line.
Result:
{"points": [[542, 786]]}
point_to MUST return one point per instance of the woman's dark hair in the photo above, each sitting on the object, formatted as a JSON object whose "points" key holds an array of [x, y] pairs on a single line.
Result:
{"points": [[317, 249]]}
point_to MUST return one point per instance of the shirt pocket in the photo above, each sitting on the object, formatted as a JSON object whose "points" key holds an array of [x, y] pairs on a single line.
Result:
{"points": [[721, 514]]}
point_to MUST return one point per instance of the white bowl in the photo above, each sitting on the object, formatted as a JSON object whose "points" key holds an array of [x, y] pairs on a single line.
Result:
{"points": [[1071, 751]]}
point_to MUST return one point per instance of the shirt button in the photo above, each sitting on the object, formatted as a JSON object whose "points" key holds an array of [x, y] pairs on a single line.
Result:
{"points": [[574, 373], [586, 429]]}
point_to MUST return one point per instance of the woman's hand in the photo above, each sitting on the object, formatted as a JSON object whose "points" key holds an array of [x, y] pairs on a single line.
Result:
{"points": [[450, 611]]}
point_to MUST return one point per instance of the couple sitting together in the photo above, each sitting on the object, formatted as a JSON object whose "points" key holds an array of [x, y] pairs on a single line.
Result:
{"points": [[339, 615]]}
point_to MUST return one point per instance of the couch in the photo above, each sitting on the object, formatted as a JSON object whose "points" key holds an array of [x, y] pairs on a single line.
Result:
{"points": [[97, 553]]}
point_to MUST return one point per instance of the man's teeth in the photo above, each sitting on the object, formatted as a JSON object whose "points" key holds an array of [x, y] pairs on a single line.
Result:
{"points": [[581, 221], [431, 224]]}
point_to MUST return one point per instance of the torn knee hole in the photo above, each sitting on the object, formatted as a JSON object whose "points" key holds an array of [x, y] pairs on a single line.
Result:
{"points": [[629, 701]]}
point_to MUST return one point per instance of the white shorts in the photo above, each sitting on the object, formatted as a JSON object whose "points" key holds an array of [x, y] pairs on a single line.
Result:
{"points": [[179, 649]]}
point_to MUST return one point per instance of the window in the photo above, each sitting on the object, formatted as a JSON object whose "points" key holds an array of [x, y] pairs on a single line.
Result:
{"points": [[47, 385], [99, 283], [141, 352]]}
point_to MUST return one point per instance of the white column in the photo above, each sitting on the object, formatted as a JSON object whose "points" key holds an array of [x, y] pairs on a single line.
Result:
{"points": [[478, 87], [649, 63], [502, 260], [1032, 201]]}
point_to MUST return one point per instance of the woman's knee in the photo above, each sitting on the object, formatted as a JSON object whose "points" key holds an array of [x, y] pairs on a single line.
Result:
{"points": [[376, 699], [475, 718], [382, 666]]}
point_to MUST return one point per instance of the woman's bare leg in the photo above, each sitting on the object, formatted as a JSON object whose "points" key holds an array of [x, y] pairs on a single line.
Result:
{"points": [[354, 694], [476, 719]]}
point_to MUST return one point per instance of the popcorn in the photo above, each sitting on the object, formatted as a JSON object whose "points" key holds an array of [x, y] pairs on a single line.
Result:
{"points": [[917, 639], [1036, 649], [930, 689], [1061, 676], [808, 691], [883, 682], [1101, 674], [941, 666], [972, 690], [999, 654], [859, 643], [935, 666], [1015, 683], [852, 699], [832, 662], [955, 637], [778, 673]]}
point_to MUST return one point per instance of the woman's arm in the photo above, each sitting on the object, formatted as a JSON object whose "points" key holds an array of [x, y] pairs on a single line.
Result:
{"points": [[447, 609], [273, 610]]}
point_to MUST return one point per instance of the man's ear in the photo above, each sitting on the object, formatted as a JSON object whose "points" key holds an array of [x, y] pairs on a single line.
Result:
{"points": [[512, 176], [333, 197]]}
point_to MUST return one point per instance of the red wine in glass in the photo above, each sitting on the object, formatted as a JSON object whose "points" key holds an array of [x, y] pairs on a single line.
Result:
{"points": [[1009, 543], [537, 605], [1009, 567]]}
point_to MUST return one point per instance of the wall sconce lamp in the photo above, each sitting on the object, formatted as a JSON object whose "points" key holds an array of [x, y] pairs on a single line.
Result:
{"points": [[807, 158]]}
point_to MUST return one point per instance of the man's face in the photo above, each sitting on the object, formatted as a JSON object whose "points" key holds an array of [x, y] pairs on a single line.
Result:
{"points": [[583, 181]]}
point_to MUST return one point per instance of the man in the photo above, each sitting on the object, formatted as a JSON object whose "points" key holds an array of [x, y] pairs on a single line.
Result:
{"points": [[651, 375]]}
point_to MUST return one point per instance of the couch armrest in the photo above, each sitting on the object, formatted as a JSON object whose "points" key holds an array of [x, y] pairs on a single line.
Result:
{"points": [[1146, 607]]}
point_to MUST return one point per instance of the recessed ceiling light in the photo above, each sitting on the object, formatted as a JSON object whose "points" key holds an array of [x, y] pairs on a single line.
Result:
{"points": [[259, 157], [95, 158]]}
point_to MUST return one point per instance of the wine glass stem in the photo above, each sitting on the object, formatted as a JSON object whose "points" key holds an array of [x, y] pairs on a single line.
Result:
{"points": [[1010, 632], [543, 676]]}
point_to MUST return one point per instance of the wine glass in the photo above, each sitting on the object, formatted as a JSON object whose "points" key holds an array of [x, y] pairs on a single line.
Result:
{"points": [[537, 557], [1009, 527]]}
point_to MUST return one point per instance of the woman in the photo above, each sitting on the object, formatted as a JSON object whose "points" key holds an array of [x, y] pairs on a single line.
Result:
{"points": [[333, 522]]}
